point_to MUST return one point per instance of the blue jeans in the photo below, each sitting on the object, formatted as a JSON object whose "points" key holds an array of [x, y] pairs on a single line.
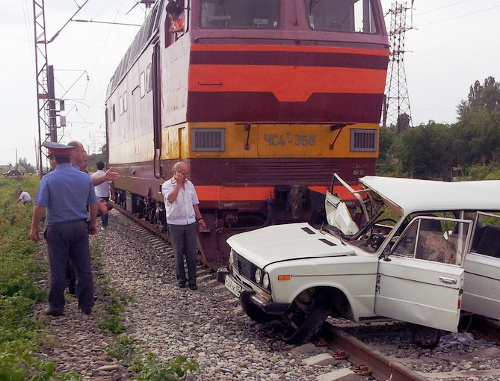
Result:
{"points": [[183, 241]]}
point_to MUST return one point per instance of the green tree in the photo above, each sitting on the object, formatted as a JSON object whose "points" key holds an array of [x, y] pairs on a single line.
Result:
{"points": [[95, 157], [387, 162], [425, 151], [477, 133], [26, 167], [403, 122]]}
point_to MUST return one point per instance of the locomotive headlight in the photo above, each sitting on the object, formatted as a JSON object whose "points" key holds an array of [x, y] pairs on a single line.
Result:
{"points": [[258, 276], [266, 283]]}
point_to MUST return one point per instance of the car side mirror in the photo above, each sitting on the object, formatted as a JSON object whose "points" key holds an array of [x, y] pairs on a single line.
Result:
{"points": [[385, 255]]}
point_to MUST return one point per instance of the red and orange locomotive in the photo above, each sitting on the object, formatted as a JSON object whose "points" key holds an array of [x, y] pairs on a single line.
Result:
{"points": [[264, 99]]}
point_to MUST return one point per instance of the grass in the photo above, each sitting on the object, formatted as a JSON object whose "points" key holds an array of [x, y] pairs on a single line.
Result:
{"points": [[22, 334], [20, 271]]}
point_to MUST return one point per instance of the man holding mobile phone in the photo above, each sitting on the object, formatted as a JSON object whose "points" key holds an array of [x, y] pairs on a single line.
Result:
{"points": [[183, 214]]}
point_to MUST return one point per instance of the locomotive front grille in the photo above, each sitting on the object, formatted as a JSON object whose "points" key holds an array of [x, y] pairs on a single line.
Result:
{"points": [[290, 171]]}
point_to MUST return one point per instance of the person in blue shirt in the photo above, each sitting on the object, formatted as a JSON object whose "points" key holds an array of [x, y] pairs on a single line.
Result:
{"points": [[64, 194]]}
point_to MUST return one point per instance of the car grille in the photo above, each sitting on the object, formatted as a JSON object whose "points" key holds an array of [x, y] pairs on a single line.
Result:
{"points": [[245, 267]]}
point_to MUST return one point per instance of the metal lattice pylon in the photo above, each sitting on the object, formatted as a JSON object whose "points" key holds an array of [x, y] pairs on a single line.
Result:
{"points": [[42, 86], [396, 108]]}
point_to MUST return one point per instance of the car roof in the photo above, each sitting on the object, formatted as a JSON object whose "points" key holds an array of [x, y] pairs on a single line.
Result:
{"points": [[414, 195]]}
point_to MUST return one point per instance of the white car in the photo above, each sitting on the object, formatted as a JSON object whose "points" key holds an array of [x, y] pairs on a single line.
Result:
{"points": [[414, 250]]}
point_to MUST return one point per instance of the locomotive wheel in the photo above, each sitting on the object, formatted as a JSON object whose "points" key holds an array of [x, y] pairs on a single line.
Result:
{"points": [[305, 324]]}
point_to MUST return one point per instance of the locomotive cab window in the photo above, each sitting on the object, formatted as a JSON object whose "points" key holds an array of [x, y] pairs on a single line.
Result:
{"points": [[149, 79], [142, 84], [353, 16], [240, 14]]}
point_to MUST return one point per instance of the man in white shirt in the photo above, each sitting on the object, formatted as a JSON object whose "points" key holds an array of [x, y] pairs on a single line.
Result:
{"points": [[24, 197], [101, 191], [181, 204]]}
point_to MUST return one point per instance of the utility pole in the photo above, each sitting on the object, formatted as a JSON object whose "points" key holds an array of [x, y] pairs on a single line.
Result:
{"points": [[46, 99], [396, 109], [41, 65]]}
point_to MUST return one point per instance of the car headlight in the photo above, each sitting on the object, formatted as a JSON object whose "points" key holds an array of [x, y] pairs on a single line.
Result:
{"points": [[266, 283], [231, 257], [258, 276]]}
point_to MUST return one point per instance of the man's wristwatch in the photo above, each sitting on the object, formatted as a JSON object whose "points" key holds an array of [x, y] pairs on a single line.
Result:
{"points": [[199, 218]]}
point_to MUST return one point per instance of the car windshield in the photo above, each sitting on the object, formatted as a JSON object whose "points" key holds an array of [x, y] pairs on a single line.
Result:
{"points": [[240, 14], [359, 216]]}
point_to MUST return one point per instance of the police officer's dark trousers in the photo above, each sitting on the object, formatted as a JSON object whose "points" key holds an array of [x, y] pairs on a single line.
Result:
{"points": [[69, 241]]}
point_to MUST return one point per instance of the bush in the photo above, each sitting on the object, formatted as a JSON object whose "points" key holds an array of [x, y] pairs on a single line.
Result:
{"points": [[484, 172]]}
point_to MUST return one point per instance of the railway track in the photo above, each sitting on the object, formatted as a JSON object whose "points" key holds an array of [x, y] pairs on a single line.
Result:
{"points": [[381, 351]]}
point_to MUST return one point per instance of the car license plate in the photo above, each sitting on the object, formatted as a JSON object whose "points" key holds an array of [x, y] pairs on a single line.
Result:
{"points": [[232, 286]]}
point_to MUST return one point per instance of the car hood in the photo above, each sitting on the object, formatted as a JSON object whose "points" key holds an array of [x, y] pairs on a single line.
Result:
{"points": [[285, 242]]}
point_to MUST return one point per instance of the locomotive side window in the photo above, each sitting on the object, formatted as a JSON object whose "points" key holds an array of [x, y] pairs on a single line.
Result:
{"points": [[354, 16], [149, 79], [240, 14], [123, 103], [142, 84]]}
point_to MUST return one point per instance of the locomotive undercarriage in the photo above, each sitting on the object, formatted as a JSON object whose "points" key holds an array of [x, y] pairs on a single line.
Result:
{"points": [[224, 219]]}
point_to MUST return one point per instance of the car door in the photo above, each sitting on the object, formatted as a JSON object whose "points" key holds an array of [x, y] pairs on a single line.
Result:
{"points": [[482, 265], [421, 280]]}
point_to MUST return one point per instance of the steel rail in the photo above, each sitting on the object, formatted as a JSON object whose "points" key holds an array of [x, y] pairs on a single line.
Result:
{"points": [[381, 367], [141, 221]]}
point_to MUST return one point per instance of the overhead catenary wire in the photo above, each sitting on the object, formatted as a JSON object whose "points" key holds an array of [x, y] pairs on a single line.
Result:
{"points": [[67, 22], [460, 16]]}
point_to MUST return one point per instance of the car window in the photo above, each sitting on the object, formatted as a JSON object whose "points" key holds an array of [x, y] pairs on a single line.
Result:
{"points": [[486, 239], [434, 239]]}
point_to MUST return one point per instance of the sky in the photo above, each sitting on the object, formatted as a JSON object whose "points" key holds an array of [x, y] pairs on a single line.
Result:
{"points": [[452, 44]]}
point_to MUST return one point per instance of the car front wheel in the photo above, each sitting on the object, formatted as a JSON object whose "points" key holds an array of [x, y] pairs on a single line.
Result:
{"points": [[306, 318]]}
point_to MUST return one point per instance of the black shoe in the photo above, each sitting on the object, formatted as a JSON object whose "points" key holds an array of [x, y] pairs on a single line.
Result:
{"points": [[86, 312], [182, 285], [50, 312], [193, 287]]}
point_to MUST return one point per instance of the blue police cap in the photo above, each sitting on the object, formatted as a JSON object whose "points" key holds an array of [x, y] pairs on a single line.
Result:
{"points": [[57, 149]]}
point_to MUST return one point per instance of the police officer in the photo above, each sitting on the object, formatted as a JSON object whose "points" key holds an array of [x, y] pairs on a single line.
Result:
{"points": [[65, 193]]}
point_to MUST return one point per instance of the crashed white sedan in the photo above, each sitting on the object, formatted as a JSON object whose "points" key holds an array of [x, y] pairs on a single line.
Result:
{"points": [[415, 250]]}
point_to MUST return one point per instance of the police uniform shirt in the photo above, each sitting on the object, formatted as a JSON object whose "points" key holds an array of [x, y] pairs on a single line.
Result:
{"points": [[65, 192]]}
